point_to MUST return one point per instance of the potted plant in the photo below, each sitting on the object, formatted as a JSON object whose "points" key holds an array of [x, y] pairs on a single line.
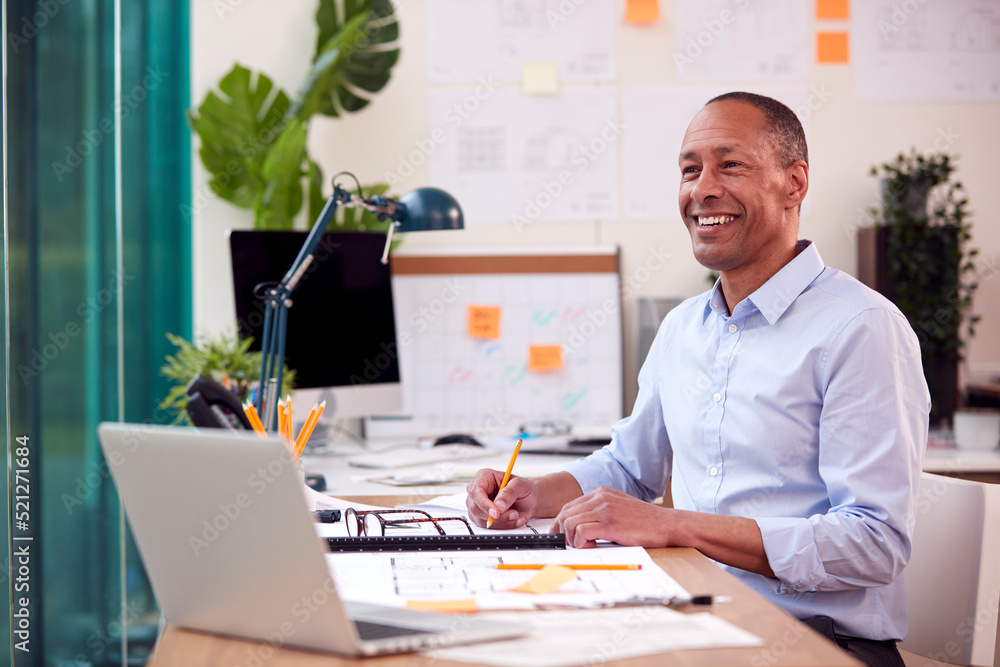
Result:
{"points": [[226, 358], [253, 135], [917, 255]]}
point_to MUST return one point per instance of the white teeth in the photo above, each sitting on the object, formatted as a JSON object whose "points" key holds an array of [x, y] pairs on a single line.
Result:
{"points": [[715, 220]]}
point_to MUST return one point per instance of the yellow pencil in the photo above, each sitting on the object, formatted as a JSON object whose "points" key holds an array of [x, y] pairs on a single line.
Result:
{"points": [[251, 412], [289, 437], [539, 566], [506, 476], [307, 428], [281, 420]]}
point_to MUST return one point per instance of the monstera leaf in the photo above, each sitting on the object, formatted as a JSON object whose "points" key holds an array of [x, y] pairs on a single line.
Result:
{"points": [[354, 57], [281, 198], [253, 137], [237, 130]]}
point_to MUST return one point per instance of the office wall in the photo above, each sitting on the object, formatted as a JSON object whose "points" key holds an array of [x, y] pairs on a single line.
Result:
{"points": [[846, 138]]}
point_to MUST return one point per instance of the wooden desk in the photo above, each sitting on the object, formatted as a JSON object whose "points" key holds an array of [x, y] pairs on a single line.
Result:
{"points": [[787, 641]]}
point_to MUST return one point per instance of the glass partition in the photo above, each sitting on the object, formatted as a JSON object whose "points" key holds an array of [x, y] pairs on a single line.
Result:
{"points": [[97, 174]]}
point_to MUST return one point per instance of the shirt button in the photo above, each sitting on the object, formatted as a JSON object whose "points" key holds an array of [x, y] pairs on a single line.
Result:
{"points": [[713, 471], [732, 328], [716, 397]]}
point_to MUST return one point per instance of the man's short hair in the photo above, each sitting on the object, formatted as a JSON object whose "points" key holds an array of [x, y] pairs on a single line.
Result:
{"points": [[789, 137]]}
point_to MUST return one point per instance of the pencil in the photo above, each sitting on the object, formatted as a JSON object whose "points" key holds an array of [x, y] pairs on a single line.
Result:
{"points": [[281, 421], [506, 476], [289, 437], [251, 412], [307, 428], [539, 566]]}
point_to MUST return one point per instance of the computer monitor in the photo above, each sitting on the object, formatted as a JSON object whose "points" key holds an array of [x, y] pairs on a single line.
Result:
{"points": [[341, 335]]}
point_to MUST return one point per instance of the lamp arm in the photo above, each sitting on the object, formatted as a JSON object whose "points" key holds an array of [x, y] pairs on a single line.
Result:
{"points": [[309, 247], [276, 306]]}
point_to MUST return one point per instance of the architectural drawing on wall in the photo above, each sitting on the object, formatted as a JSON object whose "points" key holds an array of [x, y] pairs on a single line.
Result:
{"points": [[520, 159], [720, 39], [934, 51], [492, 38], [977, 31]]}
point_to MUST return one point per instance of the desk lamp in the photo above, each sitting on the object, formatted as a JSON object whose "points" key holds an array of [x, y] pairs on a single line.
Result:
{"points": [[423, 209]]}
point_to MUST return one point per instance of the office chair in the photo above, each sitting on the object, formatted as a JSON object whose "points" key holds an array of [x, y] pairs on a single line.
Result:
{"points": [[953, 577]]}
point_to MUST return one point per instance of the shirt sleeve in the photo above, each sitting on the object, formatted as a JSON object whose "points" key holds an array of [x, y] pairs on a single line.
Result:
{"points": [[872, 437], [642, 466]]}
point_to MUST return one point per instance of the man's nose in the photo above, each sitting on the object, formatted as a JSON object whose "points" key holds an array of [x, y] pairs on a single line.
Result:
{"points": [[708, 185]]}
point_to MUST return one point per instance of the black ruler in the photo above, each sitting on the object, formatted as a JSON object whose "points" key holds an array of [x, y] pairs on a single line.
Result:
{"points": [[448, 542]]}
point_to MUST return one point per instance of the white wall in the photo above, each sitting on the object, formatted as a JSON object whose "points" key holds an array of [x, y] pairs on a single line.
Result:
{"points": [[846, 136]]}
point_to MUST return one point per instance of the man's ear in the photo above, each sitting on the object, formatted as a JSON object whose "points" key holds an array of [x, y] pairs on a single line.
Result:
{"points": [[797, 179]]}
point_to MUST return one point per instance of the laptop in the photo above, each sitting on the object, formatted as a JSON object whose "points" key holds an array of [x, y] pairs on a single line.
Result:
{"points": [[223, 528]]}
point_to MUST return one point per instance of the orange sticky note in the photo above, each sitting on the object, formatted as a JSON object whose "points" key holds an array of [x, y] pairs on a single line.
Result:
{"points": [[444, 606], [832, 48], [484, 322], [833, 10], [545, 357], [642, 12], [547, 580]]}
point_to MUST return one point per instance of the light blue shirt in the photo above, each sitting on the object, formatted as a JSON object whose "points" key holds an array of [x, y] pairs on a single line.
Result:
{"points": [[805, 410]]}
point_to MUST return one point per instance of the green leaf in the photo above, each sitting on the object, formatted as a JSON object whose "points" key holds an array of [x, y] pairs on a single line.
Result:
{"points": [[316, 199], [281, 198], [237, 130], [354, 57], [222, 357]]}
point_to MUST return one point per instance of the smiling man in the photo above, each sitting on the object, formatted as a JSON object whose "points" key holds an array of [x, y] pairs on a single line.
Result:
{"points": [[787, 404]]}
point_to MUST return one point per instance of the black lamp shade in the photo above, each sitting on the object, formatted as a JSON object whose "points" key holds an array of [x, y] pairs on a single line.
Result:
{"points": [[430, 209]]}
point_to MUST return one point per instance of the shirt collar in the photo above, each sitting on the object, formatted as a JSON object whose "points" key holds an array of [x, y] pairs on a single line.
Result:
{"points": [[774, 297]]}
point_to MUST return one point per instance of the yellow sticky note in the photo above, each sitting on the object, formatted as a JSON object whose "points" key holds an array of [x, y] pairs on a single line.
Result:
{"points": [[444, 606], [547, 580], [833, 10], [545, 357], [484, 322], [539, 77], [642, 12], [832, 48]]}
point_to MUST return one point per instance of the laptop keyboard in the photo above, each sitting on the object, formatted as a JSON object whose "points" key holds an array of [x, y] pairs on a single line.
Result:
{"points": [[368, 630]]}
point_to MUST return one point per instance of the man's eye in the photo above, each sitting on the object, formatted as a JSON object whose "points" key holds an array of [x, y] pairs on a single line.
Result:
{"points": [[732, 164], [688, 170]]}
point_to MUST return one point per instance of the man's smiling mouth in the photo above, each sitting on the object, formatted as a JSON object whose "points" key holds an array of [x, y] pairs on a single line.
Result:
{"points": [[714, 220]]}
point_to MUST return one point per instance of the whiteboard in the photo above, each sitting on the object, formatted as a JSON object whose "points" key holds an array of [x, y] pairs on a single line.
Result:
{"points": [[454, 382]]}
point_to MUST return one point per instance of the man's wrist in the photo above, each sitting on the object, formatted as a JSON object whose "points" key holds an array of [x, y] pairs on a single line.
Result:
{"points": [[555, 490]]}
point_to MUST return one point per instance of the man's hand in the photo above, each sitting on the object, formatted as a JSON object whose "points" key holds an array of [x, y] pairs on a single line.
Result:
{"points": [[510, 508], [606, 514]]}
